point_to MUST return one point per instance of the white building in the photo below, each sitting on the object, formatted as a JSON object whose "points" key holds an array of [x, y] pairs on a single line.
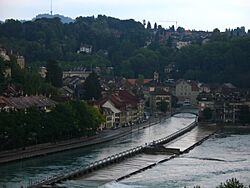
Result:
{"points": [[20, 61], [85, 49], [181, 44], [78, 73], [187, 91], [4, 55]]}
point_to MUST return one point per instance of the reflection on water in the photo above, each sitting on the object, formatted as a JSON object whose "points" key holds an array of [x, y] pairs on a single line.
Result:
{"points": [[19, 173]]}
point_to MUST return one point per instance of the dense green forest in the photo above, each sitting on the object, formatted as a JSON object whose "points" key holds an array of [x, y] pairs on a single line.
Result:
{"points": [[121, 44], [33, 126], [217, 62]]}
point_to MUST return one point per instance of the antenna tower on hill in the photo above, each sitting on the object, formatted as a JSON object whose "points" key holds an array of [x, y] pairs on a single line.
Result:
{"points": [[51, 12]]}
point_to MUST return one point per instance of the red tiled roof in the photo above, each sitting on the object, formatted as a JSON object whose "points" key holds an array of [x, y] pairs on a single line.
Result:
{"points": [[114, 99], [120, 99], [129, 98], [26, 102], [133, 81], [194, 86]]}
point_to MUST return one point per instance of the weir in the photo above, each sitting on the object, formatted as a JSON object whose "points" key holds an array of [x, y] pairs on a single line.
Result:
{"points": [[109, 161]]}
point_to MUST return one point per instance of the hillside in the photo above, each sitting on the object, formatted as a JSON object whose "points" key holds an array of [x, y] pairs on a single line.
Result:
{"points": [[130, 48], [63, 19]]}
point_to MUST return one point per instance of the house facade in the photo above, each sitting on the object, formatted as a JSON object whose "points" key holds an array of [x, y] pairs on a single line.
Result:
{"points": [[20, 61], [157, 97], [76, 73], [121, 108], [85, 49], [187, 91], [225, 106]]}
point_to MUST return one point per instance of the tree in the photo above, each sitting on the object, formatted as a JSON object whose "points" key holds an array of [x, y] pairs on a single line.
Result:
{"points": [[231, 183], [92, 87], [244, 114], [32, 126], [163, 106], [216, 34], [180, 30], [54, 73], [2, 79], [207, 113], [144, 22], [155, 26], [149, 25], [169, 42], [140, 80], [172, 28], [174, 101]]}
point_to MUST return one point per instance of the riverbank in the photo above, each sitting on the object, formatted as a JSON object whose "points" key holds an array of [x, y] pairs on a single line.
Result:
{"points": [[49, 148]]}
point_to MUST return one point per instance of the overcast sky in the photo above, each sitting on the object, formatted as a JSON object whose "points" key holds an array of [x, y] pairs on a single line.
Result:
{"points": [[190, 14]]}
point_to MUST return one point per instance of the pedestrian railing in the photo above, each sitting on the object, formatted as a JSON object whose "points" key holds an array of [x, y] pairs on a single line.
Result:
{"points": [[108, 160]]}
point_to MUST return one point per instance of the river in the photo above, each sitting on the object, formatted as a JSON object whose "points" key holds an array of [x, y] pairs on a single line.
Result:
{"points": [[17, 174], [222, 156]]}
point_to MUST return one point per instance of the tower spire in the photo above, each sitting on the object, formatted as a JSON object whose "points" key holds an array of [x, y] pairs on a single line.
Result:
{"points": [[51, 13]]}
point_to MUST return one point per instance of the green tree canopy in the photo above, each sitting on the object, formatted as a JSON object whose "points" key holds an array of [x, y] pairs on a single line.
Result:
{"points": [[207, 113], [149, 25], [163, 106], [54, 73], [92, 87], [244, 114], [33, 126]]}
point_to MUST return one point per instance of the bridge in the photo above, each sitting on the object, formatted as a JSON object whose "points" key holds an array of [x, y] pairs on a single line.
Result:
{"points": [[186, 109]]}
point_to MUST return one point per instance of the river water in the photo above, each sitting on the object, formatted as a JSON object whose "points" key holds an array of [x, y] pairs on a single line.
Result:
{"points": [[219, 158], [17, 174]]}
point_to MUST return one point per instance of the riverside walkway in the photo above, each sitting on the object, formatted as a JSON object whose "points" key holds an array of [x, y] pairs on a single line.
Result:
{"points": [[48, 148], [110, 161]]}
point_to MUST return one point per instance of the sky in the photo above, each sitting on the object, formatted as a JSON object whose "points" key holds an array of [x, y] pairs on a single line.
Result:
{"points": [[190, 14]]}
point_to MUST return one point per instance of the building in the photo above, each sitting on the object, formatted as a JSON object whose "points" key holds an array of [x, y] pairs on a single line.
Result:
{"points": [[225, 107], [3, 54], [187, 91], [109, 118], [112, 112], [121, 108], [204, 88], [205, 100], [43, 72], [133, 82], [7, 72], [169, 71], [85, 49], [157, 97], [135, 106], [67, 92], [156, 77], [81, 72], [19, 103], [181, 44], [20, 61]]}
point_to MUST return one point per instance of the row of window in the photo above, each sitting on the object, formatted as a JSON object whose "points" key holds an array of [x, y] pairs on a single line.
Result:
{"points": [[163, 98]]}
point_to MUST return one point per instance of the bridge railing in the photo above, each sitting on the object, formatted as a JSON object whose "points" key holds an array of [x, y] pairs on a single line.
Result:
{"points": [[189, 110], [105, 161]]}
